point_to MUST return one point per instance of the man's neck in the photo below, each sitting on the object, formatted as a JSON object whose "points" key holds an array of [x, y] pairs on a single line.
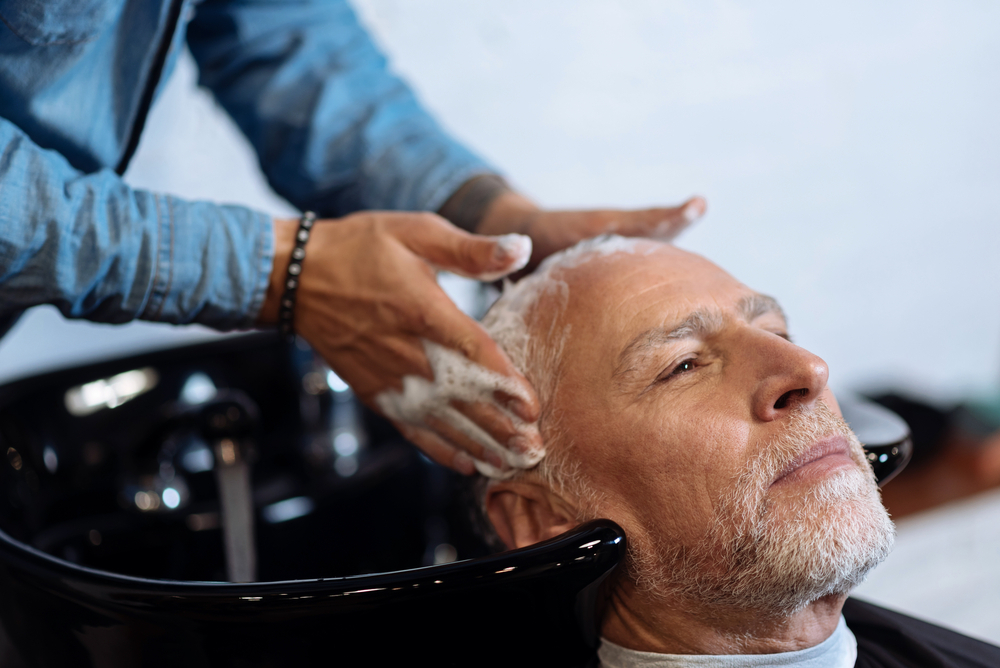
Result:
{"points": [[650, 624]]}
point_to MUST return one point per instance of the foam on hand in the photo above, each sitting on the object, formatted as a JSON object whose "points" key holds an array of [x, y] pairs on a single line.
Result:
{"points": [[458, 378], [515, 249], [666, 230]]}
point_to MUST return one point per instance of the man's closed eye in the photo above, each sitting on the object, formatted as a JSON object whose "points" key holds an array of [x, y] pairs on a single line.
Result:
{"points": [[687, 366]]}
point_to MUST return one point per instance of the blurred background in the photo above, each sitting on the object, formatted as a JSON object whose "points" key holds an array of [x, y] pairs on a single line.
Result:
{"points": [[850, 155]]}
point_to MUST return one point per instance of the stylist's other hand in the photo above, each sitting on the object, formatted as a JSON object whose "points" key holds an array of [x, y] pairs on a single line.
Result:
{"points": [[368, 299], [552, 231]]}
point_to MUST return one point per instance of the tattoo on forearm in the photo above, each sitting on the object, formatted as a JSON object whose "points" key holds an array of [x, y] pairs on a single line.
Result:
{"points": [[466, 207]]}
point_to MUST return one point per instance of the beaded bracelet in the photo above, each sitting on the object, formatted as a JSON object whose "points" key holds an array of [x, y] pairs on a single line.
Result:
{"points": [[285, 311]]}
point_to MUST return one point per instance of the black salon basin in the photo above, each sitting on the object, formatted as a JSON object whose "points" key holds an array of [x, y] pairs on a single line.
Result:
{"points": [[112, 546]]}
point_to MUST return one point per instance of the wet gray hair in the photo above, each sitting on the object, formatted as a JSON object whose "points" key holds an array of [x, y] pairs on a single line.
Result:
{"points": [[526, 322]]}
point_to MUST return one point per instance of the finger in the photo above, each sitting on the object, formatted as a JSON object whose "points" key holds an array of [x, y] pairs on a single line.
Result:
{"points": [[444, 324], [518, 439], [463, 441], [437, 449], [473, 256], [661, 223]]}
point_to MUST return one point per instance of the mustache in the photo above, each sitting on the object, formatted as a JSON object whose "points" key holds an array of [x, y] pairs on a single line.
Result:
{"points": [[804, 428]]}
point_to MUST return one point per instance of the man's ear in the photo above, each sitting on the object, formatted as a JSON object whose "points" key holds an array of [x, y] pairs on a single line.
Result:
{"points": [[524, 513]]}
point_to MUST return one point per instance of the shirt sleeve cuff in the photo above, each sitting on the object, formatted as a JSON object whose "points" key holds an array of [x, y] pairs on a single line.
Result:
{"points": [[265, 262], [213, 264]]}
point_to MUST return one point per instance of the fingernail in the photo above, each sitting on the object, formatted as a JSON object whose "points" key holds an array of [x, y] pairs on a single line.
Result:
{"points": [[513, 250], [463, 463], [694, 210]]}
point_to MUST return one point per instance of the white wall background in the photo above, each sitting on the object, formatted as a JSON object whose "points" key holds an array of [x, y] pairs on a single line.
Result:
{"points": [[850, 153]]}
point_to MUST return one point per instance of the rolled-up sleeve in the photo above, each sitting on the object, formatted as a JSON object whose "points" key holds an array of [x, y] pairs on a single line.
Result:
{"points": [[97, 249], [334, 129]]}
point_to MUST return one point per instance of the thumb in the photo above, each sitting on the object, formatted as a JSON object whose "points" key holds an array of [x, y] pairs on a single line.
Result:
{"points": [[471, 255], [661, 223]]}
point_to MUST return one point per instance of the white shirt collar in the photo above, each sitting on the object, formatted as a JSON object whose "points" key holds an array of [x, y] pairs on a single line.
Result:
{"points": [[840, 650]]}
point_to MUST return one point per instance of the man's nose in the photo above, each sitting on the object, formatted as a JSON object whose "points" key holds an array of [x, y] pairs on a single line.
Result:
{"points": [[789, 376]]}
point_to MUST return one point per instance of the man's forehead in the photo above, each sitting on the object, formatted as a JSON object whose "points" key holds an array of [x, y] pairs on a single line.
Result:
{"points": [[628, 303], [659, 282]]}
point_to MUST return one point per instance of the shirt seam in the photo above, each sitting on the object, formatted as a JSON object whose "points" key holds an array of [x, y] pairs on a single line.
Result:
{"points": [[170, 263], [151, 298], [157, 299]]}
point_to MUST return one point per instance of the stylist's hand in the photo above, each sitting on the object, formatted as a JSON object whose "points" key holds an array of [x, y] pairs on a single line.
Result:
{"points": [[552, 231], [368, 296]]}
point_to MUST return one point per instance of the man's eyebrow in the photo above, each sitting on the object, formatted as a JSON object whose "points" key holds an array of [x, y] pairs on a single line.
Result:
{"points": [[697, 324], [755, 305]]}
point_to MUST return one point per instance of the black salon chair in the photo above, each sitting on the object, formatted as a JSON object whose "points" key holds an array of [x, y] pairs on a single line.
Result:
{"points": [[355, 549]]}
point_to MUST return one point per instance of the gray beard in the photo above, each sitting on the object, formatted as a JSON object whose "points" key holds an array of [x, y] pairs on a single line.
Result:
{"points": [[776, 560]]}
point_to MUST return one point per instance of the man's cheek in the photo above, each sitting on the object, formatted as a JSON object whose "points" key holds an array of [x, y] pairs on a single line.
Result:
{"points": [[826, 396]]}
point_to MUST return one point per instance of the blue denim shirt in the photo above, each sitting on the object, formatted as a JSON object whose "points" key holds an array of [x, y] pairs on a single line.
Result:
{"points": [[335, 132]]}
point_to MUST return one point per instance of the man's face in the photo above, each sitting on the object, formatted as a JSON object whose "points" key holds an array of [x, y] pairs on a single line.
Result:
{"points": [[710, 437]]}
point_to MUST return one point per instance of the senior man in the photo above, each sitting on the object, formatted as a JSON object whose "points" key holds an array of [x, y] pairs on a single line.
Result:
{"points": [[675, 403]]}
